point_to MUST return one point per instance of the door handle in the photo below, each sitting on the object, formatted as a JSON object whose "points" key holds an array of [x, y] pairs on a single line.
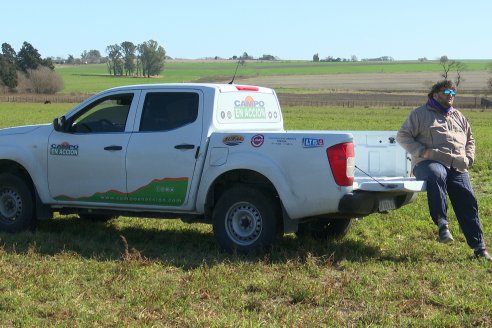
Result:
{"points": [[184, 146], [112, 148]]}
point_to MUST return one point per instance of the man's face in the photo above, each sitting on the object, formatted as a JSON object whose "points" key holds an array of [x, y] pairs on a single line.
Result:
{"points": [[445, 97]]}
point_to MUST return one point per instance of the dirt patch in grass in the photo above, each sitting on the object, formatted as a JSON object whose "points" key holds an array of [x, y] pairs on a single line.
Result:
{"points": [[376, 99], [347, 90], [409, 82]]}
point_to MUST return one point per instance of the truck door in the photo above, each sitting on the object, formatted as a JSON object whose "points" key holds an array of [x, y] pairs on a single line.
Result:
{"points": [[86, 161], [162, 151]]}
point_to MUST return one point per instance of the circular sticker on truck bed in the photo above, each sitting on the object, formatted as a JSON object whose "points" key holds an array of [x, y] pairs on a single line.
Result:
{"points": [[257, 140]]}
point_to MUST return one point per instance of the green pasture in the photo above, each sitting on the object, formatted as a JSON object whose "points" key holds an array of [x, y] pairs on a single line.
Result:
{"points": [[95, 78], [128, 272]]}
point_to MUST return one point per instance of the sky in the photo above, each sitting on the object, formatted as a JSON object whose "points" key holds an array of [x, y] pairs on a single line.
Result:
{"points": [[287, 29]]}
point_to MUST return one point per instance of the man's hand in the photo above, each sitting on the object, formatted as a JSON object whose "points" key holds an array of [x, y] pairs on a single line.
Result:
{"points": [[437, 155], [461, 163]]}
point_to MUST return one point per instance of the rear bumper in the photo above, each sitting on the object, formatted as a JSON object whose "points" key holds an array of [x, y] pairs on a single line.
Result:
{"points": [[361, 203]]}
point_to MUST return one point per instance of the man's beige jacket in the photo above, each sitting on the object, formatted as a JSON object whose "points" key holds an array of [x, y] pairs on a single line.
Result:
{"points": [[449, 137]]}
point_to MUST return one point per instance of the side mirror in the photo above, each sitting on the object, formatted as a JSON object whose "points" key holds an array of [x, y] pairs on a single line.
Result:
{"points": [[59, 124]]}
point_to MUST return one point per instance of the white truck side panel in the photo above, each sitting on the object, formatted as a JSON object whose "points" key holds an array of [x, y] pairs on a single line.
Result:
{"points": [[296, 180], [29, 150]]}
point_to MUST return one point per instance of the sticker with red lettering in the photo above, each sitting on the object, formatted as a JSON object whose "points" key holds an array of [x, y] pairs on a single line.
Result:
{"points": [[257, 140], [233, 140]]}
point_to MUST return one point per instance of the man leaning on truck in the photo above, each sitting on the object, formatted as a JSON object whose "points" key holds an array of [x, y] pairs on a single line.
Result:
{"points": [[440, 141]]}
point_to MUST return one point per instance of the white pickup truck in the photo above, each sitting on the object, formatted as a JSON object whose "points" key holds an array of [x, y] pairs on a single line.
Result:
{"points": [[215, 153]]}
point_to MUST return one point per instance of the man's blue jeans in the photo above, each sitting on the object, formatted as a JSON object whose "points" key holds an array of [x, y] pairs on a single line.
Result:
{"points": [[441, 181]]}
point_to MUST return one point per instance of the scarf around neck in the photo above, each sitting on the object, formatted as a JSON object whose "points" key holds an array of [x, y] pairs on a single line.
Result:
{"points": [[433, 103]]}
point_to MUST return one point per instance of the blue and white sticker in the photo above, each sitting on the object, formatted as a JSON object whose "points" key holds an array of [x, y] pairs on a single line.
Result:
{"points": [[312, 142]]}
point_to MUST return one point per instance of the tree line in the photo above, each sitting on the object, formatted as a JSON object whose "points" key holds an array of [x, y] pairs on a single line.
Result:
{"points": [[26, 71], [146, 59], [317, 59]]}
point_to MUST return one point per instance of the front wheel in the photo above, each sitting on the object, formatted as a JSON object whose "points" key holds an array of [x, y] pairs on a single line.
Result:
{"points": [[16, 204], [245, 219]]}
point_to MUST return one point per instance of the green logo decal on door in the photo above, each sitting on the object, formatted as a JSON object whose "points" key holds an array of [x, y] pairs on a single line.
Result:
{"points": [[163, 192], [168, 192]]}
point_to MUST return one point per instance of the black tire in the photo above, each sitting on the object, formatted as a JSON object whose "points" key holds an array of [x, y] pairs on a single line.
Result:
{"points": [[245, 219], [16, 204], [325, 228]]}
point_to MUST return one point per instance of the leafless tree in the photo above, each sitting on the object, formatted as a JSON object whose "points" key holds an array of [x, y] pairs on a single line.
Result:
{"points": [[489, 81], [444, 61], [459, 67], [452, 65], [41, 80]]}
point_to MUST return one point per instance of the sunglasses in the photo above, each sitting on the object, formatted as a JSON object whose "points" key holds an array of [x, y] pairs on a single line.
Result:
{"points": [[448, 92]]}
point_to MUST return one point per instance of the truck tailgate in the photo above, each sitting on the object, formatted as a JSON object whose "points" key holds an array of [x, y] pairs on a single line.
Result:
{"points": [[395, 184], [381, 164]]}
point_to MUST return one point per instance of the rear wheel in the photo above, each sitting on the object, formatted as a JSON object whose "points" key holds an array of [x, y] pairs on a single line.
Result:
{"points": [[325, 228], [16, 204], [245, 219]]}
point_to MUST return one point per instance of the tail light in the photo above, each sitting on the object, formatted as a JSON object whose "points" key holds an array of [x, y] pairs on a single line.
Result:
{"points": [[342, 163], [247, 88]]}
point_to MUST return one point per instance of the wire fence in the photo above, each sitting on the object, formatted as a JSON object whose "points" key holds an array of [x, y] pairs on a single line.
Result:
{"points": [[37, 98], [291, 99], [373, 100]]}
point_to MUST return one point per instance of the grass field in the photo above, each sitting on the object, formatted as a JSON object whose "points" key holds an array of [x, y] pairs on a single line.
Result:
{"points": [[388, 271], [94, 78]]}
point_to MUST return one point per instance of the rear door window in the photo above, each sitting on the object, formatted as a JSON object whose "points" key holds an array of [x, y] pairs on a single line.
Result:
{"points": [[164, 111]]}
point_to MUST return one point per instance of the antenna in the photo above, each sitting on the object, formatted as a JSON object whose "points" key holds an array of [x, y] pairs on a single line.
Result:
{"points": [[238, 62]]}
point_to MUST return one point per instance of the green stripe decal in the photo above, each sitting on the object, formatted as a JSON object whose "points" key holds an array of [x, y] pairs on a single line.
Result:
{"points": [[164, 192]]}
